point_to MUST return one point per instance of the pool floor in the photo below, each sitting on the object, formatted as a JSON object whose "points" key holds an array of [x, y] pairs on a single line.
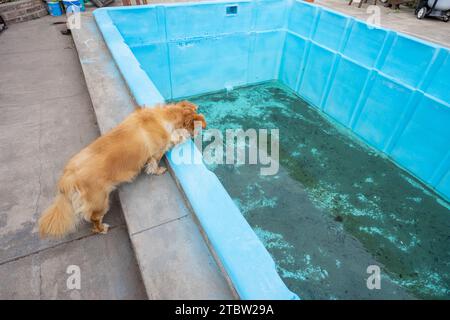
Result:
{"points": [[336, 206]]}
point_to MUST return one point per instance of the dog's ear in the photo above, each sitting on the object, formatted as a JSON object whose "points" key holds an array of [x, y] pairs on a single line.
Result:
{"points": [[188, 105], [201, 118], [188, 117]]}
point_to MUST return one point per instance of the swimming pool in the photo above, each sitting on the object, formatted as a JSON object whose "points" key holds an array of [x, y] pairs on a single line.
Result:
{"points": [[330, 211], [389, 89]]}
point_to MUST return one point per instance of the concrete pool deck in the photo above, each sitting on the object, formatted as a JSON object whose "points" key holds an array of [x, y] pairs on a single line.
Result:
{"points": [[46, 117], [402, 20]]}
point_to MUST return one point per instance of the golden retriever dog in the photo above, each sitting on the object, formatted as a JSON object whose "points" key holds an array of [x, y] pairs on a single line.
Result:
{"points": [[116, 157]]}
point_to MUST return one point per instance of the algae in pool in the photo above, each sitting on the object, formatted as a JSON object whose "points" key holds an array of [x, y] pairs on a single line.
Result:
{"points": [[335, 207]]}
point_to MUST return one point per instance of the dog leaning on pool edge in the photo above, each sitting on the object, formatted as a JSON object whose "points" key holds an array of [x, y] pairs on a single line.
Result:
{"points": [[116, 157]]}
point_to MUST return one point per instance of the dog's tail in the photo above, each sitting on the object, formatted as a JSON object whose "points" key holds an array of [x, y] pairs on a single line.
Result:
{"points": [[60, 218]]}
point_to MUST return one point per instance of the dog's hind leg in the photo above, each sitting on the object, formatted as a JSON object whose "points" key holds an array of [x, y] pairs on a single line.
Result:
{"points": [[99, 226], [102, 206]]}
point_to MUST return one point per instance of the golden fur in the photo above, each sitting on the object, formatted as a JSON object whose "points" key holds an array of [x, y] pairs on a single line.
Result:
{"points": [[116, 157]]}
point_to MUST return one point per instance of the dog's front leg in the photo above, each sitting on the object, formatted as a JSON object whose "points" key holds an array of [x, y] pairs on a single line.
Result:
{"points": [[152, 167]]}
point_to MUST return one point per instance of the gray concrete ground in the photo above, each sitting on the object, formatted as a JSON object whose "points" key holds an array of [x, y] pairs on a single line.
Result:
{"points": [[402, 20], [46, 116]]}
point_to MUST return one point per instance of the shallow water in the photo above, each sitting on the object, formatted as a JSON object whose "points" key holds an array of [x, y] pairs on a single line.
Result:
{"points": [[336, 206]]}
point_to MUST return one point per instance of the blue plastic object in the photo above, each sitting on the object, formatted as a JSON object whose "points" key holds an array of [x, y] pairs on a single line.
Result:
{"points": [[390, 89], [74, 5], [54, 8]]}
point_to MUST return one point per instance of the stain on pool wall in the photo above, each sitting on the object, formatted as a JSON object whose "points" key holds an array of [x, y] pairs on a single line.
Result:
{"points": [[336, 206]]}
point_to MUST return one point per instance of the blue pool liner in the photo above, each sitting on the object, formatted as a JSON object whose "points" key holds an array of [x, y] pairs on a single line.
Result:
{"points": [[390, 89]]}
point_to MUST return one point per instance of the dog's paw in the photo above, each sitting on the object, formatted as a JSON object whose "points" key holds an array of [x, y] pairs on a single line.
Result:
{"points": [[160, 170], [105, 228], [149, 169], [153, 168]]}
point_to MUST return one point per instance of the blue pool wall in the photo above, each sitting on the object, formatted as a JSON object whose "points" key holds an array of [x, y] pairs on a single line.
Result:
{"points": [[176, 44], [390, 89]]}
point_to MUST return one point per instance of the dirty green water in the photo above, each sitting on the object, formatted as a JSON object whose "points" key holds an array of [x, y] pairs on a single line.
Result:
{"points": [[335, 206]]}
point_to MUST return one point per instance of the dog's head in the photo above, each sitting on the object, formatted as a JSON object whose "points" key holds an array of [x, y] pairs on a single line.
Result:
{"points": [[188, 118]]}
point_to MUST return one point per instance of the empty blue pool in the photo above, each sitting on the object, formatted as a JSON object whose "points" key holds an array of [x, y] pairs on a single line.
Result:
{"points": [[389, 90]]}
